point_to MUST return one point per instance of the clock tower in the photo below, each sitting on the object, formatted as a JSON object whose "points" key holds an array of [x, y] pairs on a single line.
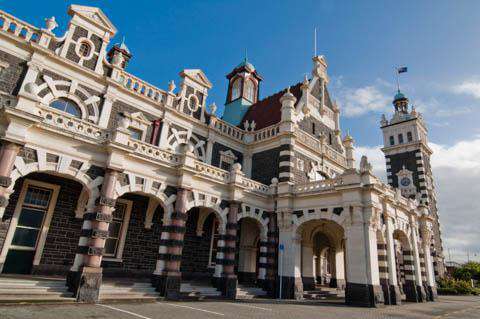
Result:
{"points": [[407, 156]]}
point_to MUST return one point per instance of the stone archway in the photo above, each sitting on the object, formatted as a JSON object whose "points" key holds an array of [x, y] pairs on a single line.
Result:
{"points": [[250, 236]]}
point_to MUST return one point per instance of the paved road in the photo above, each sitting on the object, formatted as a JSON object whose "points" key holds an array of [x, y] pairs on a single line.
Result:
{"points": [[446, 308]]}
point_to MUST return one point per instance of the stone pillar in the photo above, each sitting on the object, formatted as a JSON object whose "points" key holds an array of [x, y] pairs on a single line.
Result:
{"points": [[8, 154], [217, 275], [169, 284], [421, 296], [229, 277], [209, 150], [383, 271], [289, 262], [262, 261], [363, 285], [272, 246], [431, 289], [85, 276], [394, 290], [308, 273], [160, 273], [162, 141], [338, 281]]}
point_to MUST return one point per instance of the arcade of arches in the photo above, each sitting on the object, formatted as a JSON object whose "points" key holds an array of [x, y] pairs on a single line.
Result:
{"points": [[53, 226]]}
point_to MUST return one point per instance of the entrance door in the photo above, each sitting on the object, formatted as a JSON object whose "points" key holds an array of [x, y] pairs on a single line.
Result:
{"points": [[30, 216]]}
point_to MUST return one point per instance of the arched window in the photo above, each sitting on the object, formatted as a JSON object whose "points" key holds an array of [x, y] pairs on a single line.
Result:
{"points": [[250, 91], [236, 87], [67, 105]]}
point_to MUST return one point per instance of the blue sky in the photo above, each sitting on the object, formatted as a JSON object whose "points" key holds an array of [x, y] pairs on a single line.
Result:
{"points": [[362, 40]]}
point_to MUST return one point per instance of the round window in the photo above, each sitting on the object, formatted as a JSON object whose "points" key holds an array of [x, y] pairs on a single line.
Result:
{"points": [[84, 49]]}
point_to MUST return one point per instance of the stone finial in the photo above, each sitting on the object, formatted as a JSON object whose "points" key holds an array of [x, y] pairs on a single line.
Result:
{"points": [[414, 111], [383, 121], [213, 108], [246, 125], [305, 83], [253, 125], [236, 167], [365, 166], [171, 86], [50, 24], [274, 181]]}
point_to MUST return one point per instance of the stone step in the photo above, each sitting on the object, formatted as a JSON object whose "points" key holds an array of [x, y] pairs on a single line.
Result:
{"points": [[128, 296], [7, 299]]}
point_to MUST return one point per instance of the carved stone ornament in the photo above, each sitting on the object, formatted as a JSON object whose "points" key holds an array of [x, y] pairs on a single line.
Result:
{"points": [[365, 166], [5, 181], [50, 24], [105, 201]]}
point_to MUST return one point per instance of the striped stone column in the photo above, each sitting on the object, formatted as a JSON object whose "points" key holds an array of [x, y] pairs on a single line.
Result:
{"points": [[409, 286], [85, 277], [272, 246], [8, 154], [160, 273], [229, 277], [262, 261], [176, 231], [217, 275], [286, 156], [393, 266], [383, 271]]}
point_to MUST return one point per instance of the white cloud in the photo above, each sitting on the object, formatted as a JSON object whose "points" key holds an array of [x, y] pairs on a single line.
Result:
{"points": [[362, 100], [469, 87], [456, 171]]}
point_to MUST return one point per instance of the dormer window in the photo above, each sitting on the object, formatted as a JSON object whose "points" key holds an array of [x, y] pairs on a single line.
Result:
{"points": [[68, 106], [250, 91], [84, 49], [236, 87]]}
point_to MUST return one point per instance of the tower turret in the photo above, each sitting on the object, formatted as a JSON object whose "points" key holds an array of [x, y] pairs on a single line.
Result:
{"points": [[243, 91]]}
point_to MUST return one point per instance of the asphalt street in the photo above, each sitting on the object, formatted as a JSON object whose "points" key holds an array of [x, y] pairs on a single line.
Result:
{"points": [[446, 307]]}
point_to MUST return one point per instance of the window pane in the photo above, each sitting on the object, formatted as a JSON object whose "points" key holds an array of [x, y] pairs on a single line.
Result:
{"points": [[114, 229], [134, 133], [110, 246], [37, 196], [31, 218], [66, 105], [25, 237], [119, 211]]}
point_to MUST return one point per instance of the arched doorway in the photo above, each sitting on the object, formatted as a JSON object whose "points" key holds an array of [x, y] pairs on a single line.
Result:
{"points": [[131, 248], [322, 254], [248, 248], [42, 225], [200, 245]]}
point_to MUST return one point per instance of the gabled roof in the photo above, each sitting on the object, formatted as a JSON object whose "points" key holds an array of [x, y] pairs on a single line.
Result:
{"points": [[93, 15], [198, 76], [267, 112]]}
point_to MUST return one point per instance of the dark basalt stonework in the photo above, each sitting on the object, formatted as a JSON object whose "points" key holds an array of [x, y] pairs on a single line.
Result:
{"points": [[85, 284], [431, 293], [247, 277], [230, 288], [292, 288], [395, 295], [172, 287], [308, 283], [338, 283], [363, 295], [413, 292]]}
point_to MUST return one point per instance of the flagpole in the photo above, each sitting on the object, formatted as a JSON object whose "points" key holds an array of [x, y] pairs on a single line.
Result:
{"points": [[398, 81], [315, 42]]}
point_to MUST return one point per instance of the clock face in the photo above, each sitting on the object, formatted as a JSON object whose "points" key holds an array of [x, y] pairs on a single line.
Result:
{"points": [[405, 181]]}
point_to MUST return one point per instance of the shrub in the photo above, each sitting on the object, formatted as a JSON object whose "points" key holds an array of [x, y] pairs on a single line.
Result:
{"points": [[456, 287]]}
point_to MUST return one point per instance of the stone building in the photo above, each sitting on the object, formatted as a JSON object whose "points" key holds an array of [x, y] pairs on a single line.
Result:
{"points": [[105, 177]]}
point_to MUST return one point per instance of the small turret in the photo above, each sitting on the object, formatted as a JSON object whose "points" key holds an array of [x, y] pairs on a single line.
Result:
{"points": [[119, 55], [400, 102], [348, 142]]}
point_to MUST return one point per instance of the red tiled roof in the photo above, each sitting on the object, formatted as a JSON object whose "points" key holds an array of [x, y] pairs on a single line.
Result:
{"points": [[267, 112]]}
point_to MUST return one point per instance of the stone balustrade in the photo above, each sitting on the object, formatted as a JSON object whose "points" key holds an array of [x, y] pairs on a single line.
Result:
{"points": [[227, 129], [17, 27], [153, 152], [318, 186], [139, 86], [212, 172], [70, 124], [255, 186], [266, 133], [327, 150]]}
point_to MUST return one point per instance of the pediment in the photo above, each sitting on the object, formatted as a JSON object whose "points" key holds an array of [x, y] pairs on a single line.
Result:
{"points": [[197, 76], [93, 15]]}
